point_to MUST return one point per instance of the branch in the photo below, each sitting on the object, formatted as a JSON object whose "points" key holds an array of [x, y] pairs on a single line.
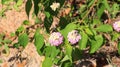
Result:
{"points": [[89, 10]]}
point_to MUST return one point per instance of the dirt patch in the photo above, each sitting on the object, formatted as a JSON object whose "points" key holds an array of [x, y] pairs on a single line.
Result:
{"points": [[13, 19], [22, 58]]}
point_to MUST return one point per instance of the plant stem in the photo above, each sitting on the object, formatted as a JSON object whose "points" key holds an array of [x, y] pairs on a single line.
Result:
{"points": [[89, 11]]}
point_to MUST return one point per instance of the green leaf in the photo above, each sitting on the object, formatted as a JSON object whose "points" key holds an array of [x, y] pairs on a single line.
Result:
{"points": [[2, 11], [36, 7], [0, 45], [37, 20], [16, 45], [83, 14], [19, 2], [51, 51], [7, 41], [104, 28], [12, 34], [61, 2], [69, 51], [77, 54], [23, 39], [54, 52], [91, 3], [48, 23], [115, 9], [96, 21], [47, 62], [28, 7], [6, 1], [2, 35], [119, 48], [65, 58], [88, 31], [39, 39], [16, 7], [100, 11], [105, 2], [6, 49], [57, 60], [68, 28], [63, 22], [47, 14], [20, 29], [67, 64], [26, 22], [48, 51], [96, 44], [1, 61], [83, 42], [115, 36], [82, 8]]}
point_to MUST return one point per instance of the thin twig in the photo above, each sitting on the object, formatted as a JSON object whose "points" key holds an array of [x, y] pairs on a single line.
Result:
{"points": [[89, 11]]}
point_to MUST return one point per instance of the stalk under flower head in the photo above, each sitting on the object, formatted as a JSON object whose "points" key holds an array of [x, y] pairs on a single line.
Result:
{"points": [[73, 36], [56, 39]]}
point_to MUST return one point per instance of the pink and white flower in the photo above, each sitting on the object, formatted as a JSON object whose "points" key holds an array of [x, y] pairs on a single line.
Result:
{"points": [[56, 39], [116, 26], [73, 36]]}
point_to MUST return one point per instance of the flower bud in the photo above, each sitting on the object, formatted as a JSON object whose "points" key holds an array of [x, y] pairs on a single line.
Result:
{"points": [[54, 6]]}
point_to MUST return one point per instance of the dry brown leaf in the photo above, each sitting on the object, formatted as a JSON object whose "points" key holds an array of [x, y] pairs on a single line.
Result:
{"points": [[54, 23]]}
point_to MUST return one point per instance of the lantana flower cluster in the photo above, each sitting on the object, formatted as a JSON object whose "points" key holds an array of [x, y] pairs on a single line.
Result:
{"points": [[56, 38], [116, 26], [73, 36]]}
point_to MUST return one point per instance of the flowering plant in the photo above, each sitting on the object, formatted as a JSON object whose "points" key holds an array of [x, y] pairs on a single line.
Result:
{"points": [[64, 31], [79, 25]]}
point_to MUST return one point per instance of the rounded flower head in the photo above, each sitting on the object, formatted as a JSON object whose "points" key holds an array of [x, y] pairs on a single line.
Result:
{"points": [[56, 39], [116, 26], [73, 36]]}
